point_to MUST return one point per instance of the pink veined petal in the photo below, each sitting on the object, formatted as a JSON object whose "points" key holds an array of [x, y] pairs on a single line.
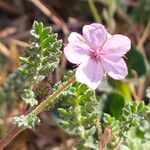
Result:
{"points": [[75, 37], [115, 47], [90, 73], [77, 52], [117, 70], [95, 35]]}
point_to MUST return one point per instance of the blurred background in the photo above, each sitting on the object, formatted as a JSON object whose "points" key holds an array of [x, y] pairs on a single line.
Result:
{"points": [[129, 17]]}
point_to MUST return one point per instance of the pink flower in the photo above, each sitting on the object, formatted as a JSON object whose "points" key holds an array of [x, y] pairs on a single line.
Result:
{"points": [[97, 53]]}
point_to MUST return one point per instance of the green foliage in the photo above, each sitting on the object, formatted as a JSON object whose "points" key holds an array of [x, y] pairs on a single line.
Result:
{"points": [[41, 59], [121, 87], [28, 121], [78, 110], [136, 62], [78, 102], [138, 138], [132, 115], [117, 97], [11, 87], [114, 100], [29, 97]]}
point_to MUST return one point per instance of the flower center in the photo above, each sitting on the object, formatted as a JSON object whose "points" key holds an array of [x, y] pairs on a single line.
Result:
{"points": [[96, 54]]}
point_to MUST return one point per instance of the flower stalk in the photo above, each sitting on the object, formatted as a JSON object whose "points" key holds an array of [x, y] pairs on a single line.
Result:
{"points": [[40, 108]]}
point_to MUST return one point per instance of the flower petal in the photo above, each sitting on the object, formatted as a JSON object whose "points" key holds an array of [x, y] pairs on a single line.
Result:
{"points": [[109, 35], [115, 47], [90, 73], [95, 35], [77, 52], [75, 37], [117, 70]]}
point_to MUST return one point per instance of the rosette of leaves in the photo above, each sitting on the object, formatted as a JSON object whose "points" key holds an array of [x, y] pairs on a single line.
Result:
{"points": [[132, 114], [41, 59], [78, 113]]}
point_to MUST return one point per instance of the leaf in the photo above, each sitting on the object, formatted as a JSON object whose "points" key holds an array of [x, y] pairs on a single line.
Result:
{"points": [[75, 104], [137, 62], [28, 121], [114, 103], [122, 87], [41, 59]]}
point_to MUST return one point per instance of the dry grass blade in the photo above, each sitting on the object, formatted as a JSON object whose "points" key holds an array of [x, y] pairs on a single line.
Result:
{"points": [[8, 7], [20, 43], [144, 36], [49, 12], [14, 57], [3, 77], [4, 50], [8, 31]]}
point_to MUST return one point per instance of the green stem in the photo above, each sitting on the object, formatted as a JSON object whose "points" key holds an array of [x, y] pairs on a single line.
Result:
{"points": [[79, 116], [40, 108], [94, 11]]}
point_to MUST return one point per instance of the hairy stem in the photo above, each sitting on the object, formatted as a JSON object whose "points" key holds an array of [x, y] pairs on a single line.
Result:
{"points": [[40, 108], [106, 138], [79, 115]]}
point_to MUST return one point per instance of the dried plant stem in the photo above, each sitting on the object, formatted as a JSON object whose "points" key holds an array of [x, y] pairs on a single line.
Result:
{"points": [[144, 36], [10, 136], [48, 11], [4, 50], [119, 143], [40, 108], [106, 138]]}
